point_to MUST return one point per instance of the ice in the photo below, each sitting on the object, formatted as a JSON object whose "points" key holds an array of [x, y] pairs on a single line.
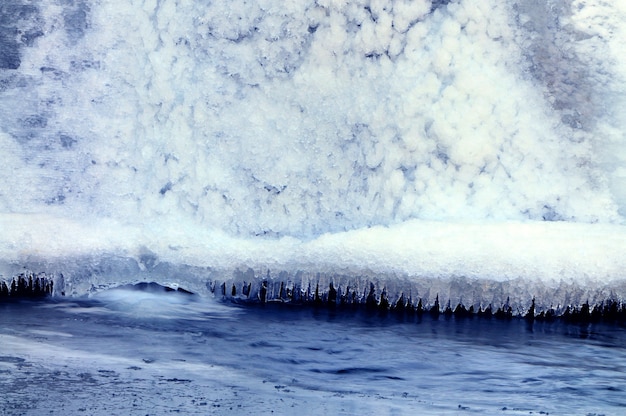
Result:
{"points": [[436, 149], [479, 264]]}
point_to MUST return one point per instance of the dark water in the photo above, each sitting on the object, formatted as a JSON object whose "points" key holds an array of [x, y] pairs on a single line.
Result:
{"points": [[129, 353]]}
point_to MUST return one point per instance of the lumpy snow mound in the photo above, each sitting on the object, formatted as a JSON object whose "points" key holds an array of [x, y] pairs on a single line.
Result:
{"points": [[449, 150]]}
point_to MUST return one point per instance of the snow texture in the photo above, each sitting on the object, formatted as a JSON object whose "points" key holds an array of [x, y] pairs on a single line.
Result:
{"points": [[402, 140]]}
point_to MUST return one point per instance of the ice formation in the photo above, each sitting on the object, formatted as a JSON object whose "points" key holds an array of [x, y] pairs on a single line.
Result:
{"points": [[453, 150]]}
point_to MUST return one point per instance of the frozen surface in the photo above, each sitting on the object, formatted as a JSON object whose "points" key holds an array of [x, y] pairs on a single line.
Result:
{"points": [[119, 354], [470, 150]]}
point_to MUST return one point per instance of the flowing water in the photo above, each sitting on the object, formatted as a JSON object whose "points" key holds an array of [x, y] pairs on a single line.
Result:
{"points": [[139, 353]]}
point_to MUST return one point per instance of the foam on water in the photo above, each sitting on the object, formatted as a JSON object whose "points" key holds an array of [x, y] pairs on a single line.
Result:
{"points": [[434, 148]]}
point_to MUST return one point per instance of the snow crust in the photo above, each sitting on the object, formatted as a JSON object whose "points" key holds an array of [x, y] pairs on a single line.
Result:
{"points": [[403, 140], [551, 251]]}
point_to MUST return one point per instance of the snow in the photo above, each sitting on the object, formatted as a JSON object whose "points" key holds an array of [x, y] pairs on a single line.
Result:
{"points": [[388, 139]]}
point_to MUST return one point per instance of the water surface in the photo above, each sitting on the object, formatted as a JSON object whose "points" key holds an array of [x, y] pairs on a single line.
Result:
{"points": [[138, 353]]}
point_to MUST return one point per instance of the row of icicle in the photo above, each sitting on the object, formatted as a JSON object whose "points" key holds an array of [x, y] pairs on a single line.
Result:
{"points": [[608, 310], [26, 286], [32, 286]]}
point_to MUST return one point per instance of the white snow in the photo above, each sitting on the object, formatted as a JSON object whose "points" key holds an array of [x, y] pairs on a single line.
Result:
{"points": [[482, 141]]}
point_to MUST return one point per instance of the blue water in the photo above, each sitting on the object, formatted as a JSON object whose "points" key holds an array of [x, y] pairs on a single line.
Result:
{"points": [[163, 354]]}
